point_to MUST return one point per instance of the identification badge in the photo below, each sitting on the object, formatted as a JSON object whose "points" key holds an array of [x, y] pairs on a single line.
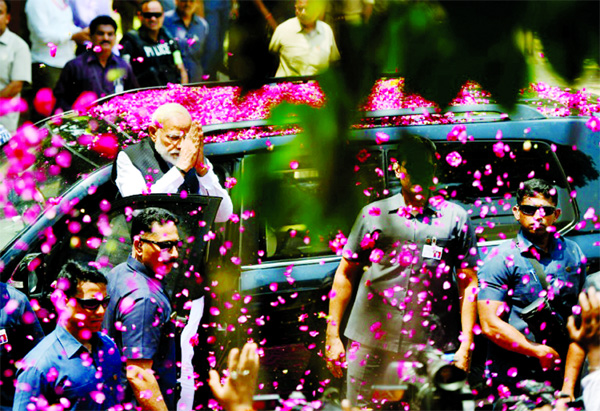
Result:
{"points": [[433, 251], [3, 336]]}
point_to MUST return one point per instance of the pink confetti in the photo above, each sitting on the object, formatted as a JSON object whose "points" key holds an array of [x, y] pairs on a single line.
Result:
{"points": [[44, 101], [454, 159], [381, 137]]}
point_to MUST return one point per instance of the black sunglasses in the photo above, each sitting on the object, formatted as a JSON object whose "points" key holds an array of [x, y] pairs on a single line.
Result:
{"points": [[530, 210], [149, 15], [93, 303], [163, 245]]}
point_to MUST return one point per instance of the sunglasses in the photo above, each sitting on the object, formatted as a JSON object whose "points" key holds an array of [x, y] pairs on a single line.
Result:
{"points": [[530, 210], [149, 15], [163, 245], [92, 304]]}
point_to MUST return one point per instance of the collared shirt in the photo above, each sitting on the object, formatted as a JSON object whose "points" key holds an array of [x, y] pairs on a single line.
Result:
{"points": [[51, 21], [60, 367], [138, 317], [20, 331], [15, 65], [153, 62], [509, 276], [408, 295], [131, 181], [191, 41], [85, 73], [84, 11], [303, 53]]}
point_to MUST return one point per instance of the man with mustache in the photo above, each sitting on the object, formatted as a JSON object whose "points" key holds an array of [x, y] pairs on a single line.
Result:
{"points": [[172, 160], [538, 263], [139, 314], [75, 367], [97, 70]]}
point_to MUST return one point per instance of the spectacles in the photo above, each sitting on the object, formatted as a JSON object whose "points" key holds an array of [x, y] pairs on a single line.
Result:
{"points": [[149, 15], [163, 245], [92, 304], [530, 210]]}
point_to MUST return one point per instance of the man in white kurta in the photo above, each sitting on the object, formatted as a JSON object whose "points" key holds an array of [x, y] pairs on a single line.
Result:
{"points": [[306, 45]]}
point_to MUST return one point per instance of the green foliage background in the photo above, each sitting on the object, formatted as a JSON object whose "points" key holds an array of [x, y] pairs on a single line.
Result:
{"points": [[436, 47]]}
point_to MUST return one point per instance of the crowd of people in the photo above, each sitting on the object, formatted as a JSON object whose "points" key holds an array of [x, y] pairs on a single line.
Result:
{"points": [[70, 46]]}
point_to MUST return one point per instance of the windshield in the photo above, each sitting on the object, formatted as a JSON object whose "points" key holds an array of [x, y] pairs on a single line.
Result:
{"points": [[40, 165]]}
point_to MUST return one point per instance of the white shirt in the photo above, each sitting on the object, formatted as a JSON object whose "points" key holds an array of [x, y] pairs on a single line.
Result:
{"points": [[51, 21], [15, 65], [130, 181], [303, 53], [591, 391]]}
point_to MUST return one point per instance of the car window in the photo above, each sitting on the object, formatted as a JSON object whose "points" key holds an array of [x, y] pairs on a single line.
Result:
{"points": [[286, 235], [71, 147], [481, 176]]}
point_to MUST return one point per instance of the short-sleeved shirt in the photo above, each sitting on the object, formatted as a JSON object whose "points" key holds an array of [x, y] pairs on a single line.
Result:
{"points": [[20, 331], [153, 62], [303, 53], [85, 73], [509, 276], [191, 41], [61, 367], [139, 319], [405, 296], [15, 65]]}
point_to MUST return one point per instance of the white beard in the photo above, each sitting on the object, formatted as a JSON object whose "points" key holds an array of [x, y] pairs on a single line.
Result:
{"points": [[169, 156]]}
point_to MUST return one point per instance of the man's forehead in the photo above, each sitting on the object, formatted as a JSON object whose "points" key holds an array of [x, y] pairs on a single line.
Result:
{"points": [[539, 198], [152, 6], [105, 28], [162, 226]]}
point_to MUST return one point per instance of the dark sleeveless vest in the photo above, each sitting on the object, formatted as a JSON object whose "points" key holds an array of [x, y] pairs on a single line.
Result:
{"points": [[152, 166]]}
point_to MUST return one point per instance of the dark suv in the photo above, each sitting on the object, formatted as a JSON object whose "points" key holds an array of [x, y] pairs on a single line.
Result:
{"points": [[267, 275]]}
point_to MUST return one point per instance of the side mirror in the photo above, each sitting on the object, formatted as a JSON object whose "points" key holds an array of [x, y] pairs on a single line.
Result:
{"points": [[26, 277]]}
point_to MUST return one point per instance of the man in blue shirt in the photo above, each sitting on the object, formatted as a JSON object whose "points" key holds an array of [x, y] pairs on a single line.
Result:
{"points": [[139, 314], [538, 263], [20, 331], [190, 31], [98, 70], [75, 366]]}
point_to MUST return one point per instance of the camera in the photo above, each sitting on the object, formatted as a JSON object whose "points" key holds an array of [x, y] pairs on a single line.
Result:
{"points": [[547, 325], [429, 383]]}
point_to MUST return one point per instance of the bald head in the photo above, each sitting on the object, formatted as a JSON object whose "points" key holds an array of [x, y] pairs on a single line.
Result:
{"points": [[171, 111]]}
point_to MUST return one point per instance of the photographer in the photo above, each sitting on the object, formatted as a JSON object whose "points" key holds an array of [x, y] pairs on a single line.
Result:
{"points": [[538, 267]]}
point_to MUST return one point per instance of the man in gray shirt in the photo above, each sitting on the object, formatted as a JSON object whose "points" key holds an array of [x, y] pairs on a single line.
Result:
{"points": [[411, 259]]}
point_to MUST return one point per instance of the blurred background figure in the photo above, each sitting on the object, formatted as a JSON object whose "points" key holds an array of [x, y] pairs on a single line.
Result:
{"points": [[217, 14], [154, 56], [305, 44], [84, 11], [97, 70], [15, 70], [191, 32], [249, 36], [53, 36]]}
